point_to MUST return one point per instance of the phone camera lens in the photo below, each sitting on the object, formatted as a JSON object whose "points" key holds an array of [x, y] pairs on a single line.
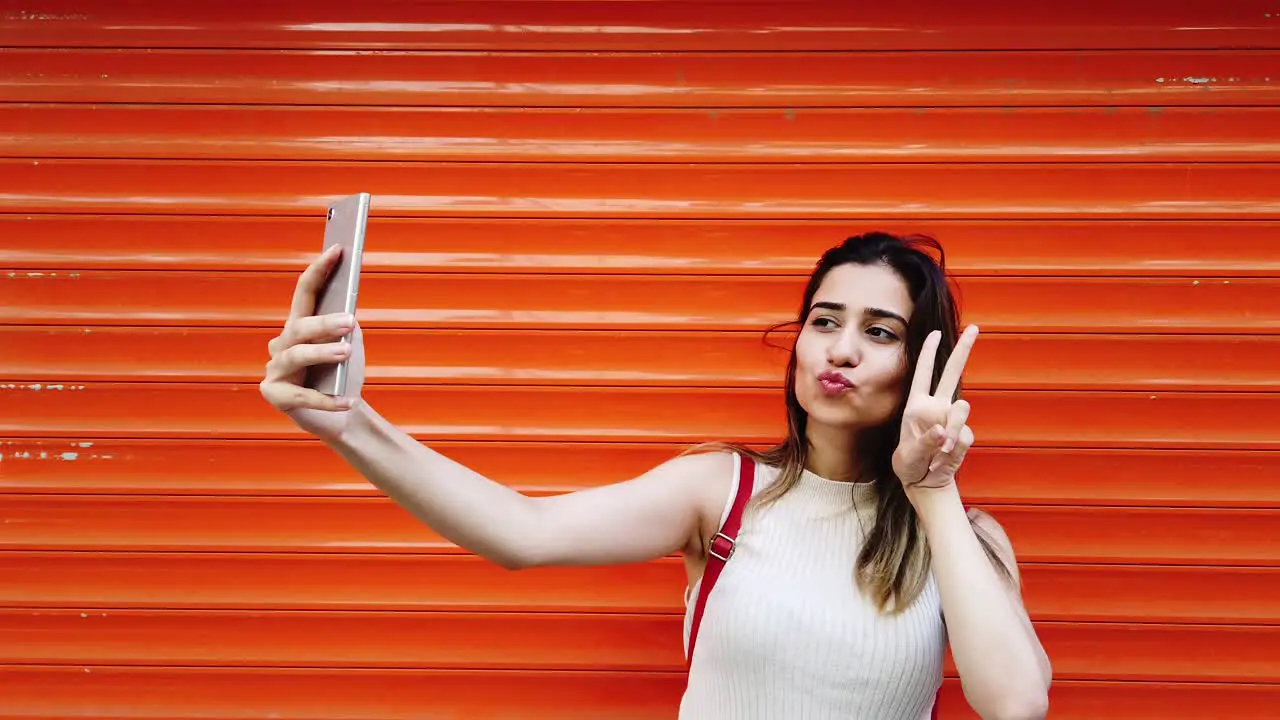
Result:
{"points": [[330, 214]]}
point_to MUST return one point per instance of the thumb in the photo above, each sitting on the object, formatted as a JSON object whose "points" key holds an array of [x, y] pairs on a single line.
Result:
{"points": [[920, 452]]}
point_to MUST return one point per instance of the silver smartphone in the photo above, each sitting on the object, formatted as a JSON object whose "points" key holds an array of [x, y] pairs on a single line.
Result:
{"points": [[345, 224]]}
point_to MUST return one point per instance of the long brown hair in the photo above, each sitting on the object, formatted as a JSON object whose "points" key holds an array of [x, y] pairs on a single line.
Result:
{"points": [[894, 562]]}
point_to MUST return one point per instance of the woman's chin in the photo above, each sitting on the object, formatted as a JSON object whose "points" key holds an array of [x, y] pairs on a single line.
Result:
{"points": [[852, 409], [843, 416]]}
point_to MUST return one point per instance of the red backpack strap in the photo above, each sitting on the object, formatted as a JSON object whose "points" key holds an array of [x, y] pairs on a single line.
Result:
{"points": [[722, 545]]}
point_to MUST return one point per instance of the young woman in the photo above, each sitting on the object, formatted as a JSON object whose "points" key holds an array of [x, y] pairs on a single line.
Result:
{"points": [[854, 561]]}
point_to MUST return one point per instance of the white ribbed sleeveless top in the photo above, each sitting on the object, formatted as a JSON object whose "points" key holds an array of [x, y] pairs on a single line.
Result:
{"points": [[786, 633]]}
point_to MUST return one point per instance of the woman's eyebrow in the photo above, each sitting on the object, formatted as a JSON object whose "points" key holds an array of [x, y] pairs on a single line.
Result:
{"points": [[885, 314], [869, 312]]}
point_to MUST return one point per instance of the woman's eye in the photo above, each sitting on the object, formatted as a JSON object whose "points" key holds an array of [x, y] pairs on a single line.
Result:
{"points": [[823, 322], [882, 333]]}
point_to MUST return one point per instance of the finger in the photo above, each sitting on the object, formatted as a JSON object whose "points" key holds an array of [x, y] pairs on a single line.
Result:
{"points": [[931, 445], [305, 355], [315, 328], [957, 454], [957, 416], [288, 397], [311, 280], [955, 364], [933, 442], [923, 380]]}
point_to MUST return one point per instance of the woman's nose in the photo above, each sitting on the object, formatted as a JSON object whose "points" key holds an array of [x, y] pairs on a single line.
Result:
{"points": [[844, 350]]}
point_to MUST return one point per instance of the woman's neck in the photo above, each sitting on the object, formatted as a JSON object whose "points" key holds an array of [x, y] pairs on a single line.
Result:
{"points": [[832, 453]]}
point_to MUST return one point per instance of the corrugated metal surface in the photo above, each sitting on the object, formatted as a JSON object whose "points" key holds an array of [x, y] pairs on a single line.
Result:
{"points": [[1103, 175]]}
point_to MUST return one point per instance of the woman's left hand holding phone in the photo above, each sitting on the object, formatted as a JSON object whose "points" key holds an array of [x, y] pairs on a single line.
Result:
{"points": [[305, 340]]}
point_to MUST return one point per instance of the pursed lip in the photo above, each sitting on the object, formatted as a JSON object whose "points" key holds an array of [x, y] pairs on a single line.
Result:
{"points": [[834, 383]]}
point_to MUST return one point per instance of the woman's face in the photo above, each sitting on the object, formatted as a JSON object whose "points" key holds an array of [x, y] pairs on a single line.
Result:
{"points": [[851, 351]]}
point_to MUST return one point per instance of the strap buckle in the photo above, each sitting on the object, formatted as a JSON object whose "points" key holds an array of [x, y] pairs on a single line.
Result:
{"points": [[711, 549]]}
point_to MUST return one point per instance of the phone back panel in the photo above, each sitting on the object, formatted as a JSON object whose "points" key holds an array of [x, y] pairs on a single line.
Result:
{"points": [[344, 226]]}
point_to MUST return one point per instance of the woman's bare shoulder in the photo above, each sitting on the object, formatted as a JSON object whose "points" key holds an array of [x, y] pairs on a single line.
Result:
{"points": [[708, 475]]}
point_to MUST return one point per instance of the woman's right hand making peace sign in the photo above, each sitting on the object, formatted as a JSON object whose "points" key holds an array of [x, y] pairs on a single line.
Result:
{"points": [[307, 340]]}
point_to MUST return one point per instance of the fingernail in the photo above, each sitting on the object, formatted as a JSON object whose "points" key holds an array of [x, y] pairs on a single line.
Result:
{"points": [[343, 403]]}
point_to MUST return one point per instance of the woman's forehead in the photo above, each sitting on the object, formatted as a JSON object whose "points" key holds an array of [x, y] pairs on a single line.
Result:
{"points": [[858, 287]]}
